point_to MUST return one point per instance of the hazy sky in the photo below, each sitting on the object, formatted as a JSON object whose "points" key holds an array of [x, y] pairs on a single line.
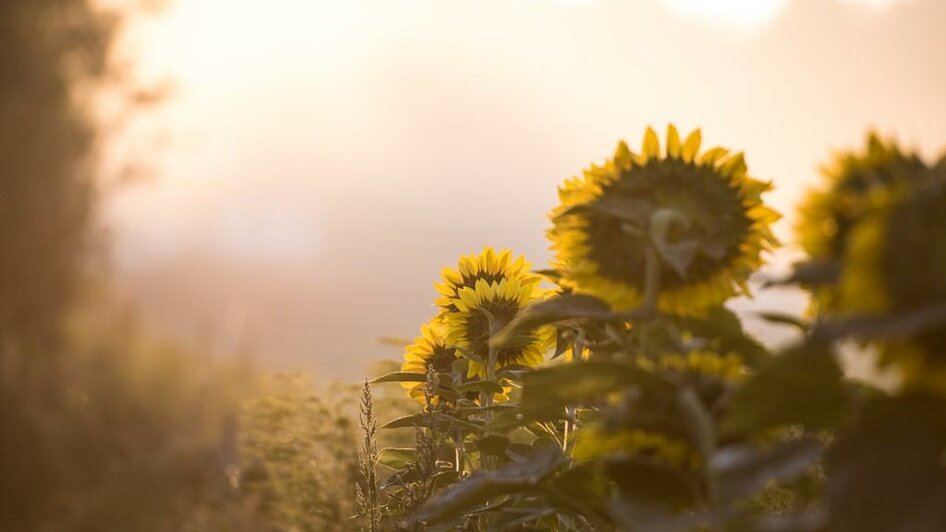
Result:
{"points": [[326, 159]]}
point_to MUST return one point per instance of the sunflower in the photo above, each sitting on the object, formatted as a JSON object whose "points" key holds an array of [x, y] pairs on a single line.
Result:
{"points": [[611, 216], [482, 296], [893, 266], [489, 266], [429, 351], [855, 182]]}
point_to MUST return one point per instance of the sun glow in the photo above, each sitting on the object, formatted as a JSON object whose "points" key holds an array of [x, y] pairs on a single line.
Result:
{"points": [[742, 14]]}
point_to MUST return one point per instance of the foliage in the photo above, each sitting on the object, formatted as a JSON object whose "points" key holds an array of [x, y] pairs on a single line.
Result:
{"points": [[297, 453]]}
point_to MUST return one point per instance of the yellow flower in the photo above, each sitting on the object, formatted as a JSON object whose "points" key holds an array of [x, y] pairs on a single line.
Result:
{"points": [[429, 350], [594, 441], [607, 219], [858, 183], [893, 266], [489, 266], [482, 296], [855, 182]]}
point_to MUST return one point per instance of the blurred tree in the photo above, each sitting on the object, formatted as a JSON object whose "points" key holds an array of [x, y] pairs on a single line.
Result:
{"points": [[52, 52]]}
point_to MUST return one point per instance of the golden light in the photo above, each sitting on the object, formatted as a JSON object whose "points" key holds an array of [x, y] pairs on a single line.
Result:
{"points": [[740, 14]]}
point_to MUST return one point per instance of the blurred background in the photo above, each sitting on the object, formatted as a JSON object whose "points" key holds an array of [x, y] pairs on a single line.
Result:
{"points": [[194, 193], [317, 162]]}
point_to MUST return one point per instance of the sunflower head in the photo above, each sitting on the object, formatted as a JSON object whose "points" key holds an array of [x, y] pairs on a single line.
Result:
{"points": [[699, 209], [489, 266], [483, 295], [856, 181], [894, 264], [430, 351]]}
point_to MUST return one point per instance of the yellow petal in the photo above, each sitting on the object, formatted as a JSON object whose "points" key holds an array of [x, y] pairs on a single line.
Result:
{"points": [[651, 146], [673, 142], [692, 146]]}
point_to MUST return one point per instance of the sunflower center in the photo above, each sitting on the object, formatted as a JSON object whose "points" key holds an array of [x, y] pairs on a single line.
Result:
{"points": [[719, 222], [478, 330], [441, 359]]}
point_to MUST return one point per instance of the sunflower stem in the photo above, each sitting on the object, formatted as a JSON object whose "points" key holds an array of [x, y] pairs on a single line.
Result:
{"points": [[578, 348], [486, 397], [651, 279]]}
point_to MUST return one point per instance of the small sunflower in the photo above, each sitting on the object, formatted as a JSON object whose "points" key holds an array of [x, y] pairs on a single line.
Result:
{"points": [[489, 266], [607, 217], [855, 182], [894, 265], [485, 294], [429, 350]]}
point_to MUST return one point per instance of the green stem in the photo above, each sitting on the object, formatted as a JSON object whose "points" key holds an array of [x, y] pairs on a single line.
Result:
{"points": [[651, 279]]}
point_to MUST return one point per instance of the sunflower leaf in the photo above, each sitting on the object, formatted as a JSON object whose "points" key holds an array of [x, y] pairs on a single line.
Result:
{"points": [[480, 386], [399, 376], [517, 477], [741, 470], [562, 308], [680, 254], [801, 386], [397, 458], [546, 392], [413, 420], [626, 209], [785, 319], [494, 444]]}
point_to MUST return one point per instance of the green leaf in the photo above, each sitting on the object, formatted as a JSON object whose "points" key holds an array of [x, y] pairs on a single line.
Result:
{"points": [[397, 458], [480, 386], [626, 209], [413, 420], [647, 481], [887, 471], [741, 470], [723, 329], [679, 255], [494, 444], [900, 325], [546, 392], [561, 308], [785, 319], [563, 342], [445, 478], [516, 477], [812, 273], [697, 421], [400, 376], [801, 386]]}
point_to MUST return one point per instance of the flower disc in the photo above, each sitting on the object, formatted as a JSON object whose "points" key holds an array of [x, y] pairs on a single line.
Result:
{"points": [[606, 222]]}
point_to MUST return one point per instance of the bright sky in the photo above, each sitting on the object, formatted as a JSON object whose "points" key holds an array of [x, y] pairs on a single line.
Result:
{"points": [[327, 158]]}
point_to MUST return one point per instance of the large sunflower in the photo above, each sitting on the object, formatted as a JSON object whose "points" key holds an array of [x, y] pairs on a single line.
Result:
{"points": [[893, 266], [485, 294], [607, 219], [429, 350]]}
